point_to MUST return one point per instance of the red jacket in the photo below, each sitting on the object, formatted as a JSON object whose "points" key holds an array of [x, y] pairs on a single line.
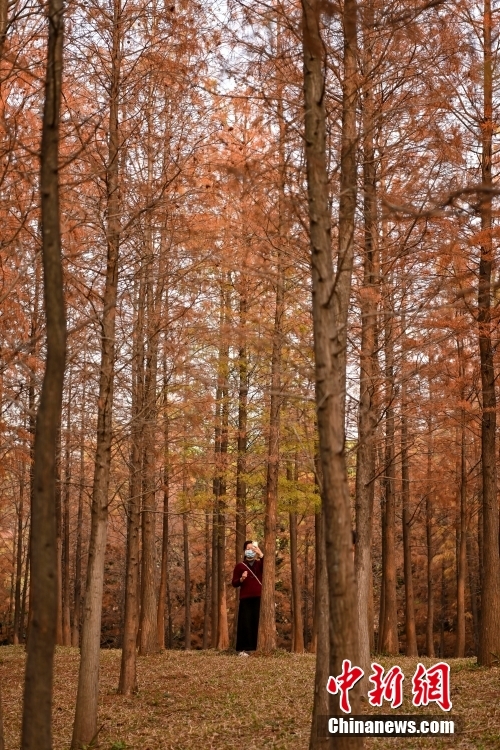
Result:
{"points": [[250, 586]]}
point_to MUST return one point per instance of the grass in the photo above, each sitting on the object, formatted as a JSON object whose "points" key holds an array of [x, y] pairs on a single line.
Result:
{"points": [[188, 700]]}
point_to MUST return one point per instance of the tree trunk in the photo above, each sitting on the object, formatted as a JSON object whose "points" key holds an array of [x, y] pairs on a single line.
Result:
{"points": [[85, 726], [37, 707], [429, 630], [164, 583], [330, 310], [489, 639], [410, 628], [19, 561], [221, 446], [462, 539], [77, 597], [388, 636], [321, 698], [298, 626], [267, 620], [367, 417], [128, 668], [206, 603], [66, 604], [187, 583]]}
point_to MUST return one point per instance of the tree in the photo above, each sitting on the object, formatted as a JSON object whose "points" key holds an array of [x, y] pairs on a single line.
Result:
{"points": [[37, 708], [330, 307]]}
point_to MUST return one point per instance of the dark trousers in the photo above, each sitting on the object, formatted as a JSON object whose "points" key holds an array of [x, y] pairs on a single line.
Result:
{"points": [[248, 624]]}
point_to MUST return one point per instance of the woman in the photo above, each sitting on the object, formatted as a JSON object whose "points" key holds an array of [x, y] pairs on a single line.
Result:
{"points": [[247, 576]]}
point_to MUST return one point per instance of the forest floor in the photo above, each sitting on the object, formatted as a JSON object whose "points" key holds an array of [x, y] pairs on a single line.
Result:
{"points": [[211, 700]]}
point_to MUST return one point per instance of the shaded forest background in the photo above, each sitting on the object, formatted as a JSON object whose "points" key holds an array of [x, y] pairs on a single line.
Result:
{"points": [[181, 127]]}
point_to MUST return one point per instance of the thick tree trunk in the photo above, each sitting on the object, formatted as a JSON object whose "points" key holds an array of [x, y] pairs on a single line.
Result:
{"points": [[330, 310], [85, 726], [37, 708], [489, 638]]}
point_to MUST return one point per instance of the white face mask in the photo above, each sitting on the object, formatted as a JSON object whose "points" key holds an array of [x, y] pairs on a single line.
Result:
{"points": [[250, 554]]}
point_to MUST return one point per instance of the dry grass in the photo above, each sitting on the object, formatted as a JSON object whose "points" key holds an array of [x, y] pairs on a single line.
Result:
{"points": [[210, 700]]}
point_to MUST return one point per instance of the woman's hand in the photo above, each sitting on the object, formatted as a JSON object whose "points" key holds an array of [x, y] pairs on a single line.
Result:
{"points": [[256, 549], [243, 576]]}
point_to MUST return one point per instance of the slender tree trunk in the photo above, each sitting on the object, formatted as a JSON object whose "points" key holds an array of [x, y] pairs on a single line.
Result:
{"points": [[330, 310], [66, 604], [298, 626], [267, 621], [367, 417], [462, 541], [388, 638], [77, 597], [59, 545], [37, 708], [206, 603], [128, 669], [223, 629], [307, 640], [19, 561], [162, 593], [321, 698], [187, 583], [429, 630], [410, 627], [85, 726], [473, 592], [489, 639]]}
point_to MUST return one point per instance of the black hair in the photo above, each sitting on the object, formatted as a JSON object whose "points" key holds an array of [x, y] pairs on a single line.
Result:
{"points": [[248, 541]]}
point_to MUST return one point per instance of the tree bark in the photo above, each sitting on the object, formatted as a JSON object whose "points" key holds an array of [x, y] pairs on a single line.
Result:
{"points": [[321, 699], [410, 627], [19, 561], [187, 583], [330, 309], [461, 531], [429, 629], [367, 417], [489, 638], [77, 596], [298, 625], [266, 642], [66, 604], [85, 726], [128, 668], [164, 582], [37, 708]]}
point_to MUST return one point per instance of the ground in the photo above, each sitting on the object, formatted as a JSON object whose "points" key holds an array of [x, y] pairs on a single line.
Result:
{"points": [[189, 700]]}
